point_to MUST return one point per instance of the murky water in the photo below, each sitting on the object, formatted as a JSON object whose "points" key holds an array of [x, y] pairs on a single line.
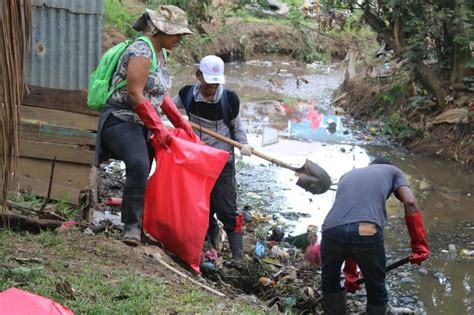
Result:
{"points": [[312, 130]]}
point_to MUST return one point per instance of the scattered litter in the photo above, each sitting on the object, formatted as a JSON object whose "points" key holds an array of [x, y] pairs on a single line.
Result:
{"points": [[66, 226], [259, 249]]}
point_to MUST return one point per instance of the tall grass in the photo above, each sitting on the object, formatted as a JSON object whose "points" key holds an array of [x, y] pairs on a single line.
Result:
{"points": [[117, 16]]}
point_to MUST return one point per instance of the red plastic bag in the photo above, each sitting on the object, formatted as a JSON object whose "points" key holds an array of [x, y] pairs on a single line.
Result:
{"points": [[18, 302], [178, 195]]}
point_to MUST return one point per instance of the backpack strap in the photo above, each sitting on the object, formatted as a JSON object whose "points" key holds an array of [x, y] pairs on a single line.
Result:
{"points": [[153, 53], [227, 112], [153, 65], [188, 99]]}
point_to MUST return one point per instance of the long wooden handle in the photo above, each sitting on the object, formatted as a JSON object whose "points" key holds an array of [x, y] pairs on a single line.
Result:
{"points": [[396, 264], [239, 145]]}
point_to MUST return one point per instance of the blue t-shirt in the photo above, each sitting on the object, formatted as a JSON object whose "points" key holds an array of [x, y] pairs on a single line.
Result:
{"points": [[361, 195]]}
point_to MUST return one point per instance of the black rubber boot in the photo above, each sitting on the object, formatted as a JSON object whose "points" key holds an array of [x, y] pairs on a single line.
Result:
{"points": [[236, 244], [334, 303], [212, 235], [132, 218], [376, 309]]}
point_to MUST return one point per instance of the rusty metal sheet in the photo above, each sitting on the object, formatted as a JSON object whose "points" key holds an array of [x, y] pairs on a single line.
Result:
{"points": [[75, 6], [66, 43]]}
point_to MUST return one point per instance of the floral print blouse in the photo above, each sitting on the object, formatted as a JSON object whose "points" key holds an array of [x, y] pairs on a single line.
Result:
{"points": [[157, 84]]}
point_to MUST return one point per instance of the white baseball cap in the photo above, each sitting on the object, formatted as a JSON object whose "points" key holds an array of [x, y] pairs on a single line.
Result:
{"points": [[212, 68]]}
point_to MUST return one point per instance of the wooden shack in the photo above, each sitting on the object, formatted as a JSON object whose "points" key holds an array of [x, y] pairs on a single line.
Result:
{"points": [[56, 126]]}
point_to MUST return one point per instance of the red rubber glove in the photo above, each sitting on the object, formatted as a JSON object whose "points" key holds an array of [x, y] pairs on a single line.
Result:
{"points": [[171, 111], [313, 254], [419, 247], [161, 137], [351, 275]]}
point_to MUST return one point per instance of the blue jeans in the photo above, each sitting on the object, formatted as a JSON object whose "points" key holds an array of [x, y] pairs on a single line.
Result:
{"points": [[341, 242]]}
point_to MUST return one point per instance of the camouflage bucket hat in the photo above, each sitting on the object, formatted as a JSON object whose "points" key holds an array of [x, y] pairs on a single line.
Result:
{"points": [[170, 20]]}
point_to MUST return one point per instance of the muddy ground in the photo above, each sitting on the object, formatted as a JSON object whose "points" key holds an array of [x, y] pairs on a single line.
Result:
{"points": [[280, 279]]}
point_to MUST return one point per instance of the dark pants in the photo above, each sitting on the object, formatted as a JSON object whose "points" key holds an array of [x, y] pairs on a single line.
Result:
{"points": [[128, 141], [344, 241], [224, 199]]}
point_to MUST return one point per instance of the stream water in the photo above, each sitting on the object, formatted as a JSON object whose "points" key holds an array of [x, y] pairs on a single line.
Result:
{"points": [[312, 129]]}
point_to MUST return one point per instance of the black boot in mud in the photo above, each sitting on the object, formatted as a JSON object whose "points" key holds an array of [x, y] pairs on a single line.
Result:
{"points": [[212, 236], [132, 217], [334, 303], [132, 234], [236, 244]]}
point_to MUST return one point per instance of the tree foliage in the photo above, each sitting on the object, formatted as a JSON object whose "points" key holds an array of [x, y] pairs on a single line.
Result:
{"points": [[434, 36]]}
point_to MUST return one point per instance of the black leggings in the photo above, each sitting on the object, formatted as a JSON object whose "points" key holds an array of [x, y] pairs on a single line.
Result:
{"points": [[128, 141]]}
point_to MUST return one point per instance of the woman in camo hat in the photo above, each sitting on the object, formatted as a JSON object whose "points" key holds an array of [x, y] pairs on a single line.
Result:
{"points": [[132, 113]]}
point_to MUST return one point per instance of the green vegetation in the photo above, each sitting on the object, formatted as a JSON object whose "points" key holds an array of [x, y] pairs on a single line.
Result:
{"points": [[389, 97], [28, 203], [27, 200], [301, 37], [432, 36], [119, 17], [386, 107], [394, 125], [64, 208], [95, 275]]}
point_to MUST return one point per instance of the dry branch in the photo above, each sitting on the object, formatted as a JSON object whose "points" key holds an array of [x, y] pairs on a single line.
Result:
{"points": [[28, 223], [157, 257]]}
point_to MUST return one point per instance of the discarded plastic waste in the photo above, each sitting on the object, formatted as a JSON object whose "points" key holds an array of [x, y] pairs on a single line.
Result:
{"points": [[113, 201], [211, 255], [266, 282], [207, 265], [259, 249], [279, 253]]}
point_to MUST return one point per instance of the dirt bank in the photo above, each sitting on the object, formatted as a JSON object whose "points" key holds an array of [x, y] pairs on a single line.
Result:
{"points": [[390, 102], [237, 39]]}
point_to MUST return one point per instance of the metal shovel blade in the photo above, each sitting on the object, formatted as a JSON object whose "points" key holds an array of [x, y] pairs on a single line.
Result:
{"points": [[313, 178]]}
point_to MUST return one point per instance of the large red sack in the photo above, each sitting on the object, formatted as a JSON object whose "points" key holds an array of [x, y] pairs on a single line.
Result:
{"points": [[18, 302], [178, 195]]}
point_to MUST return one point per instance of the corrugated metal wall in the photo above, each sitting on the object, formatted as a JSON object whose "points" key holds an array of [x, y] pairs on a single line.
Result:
{"points": [[66, 43]]}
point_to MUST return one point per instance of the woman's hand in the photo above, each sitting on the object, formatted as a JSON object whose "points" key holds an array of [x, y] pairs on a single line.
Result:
{"points": [[171, 111]]}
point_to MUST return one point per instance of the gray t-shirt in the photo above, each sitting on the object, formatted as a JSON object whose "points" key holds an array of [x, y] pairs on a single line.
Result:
{"points": [[361, 195]]}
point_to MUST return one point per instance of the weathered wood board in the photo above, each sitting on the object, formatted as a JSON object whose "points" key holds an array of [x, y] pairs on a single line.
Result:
{"points": [[60, 151], [67, 101], [57, 124], [55, 134], [69, 179], [53, 117]]}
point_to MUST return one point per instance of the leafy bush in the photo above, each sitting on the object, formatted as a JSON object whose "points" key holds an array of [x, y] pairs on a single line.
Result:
{"points": [[395, 126], [389, 97]]}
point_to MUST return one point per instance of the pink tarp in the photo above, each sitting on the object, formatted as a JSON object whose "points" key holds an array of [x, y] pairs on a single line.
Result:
{"points": [[18, 302]]}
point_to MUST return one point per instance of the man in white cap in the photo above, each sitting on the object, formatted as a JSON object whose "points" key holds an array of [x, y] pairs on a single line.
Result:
{"points": [[209, 104]]}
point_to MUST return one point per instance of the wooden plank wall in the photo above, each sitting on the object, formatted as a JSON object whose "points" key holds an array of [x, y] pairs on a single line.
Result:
{"points": [[57, 124]]}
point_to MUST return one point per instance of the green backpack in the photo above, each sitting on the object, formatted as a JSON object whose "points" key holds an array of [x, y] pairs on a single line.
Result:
{"points": [[99, 89]]}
